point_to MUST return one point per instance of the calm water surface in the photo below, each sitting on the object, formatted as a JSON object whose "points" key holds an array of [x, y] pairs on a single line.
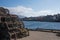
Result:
{"points": [[38, 24]]}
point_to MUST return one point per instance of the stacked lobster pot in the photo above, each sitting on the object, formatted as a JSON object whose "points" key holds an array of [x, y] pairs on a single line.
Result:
{"points": [[10, 26]]}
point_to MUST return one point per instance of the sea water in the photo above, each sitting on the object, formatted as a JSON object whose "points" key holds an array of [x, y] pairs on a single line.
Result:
{"points": [[38, 24]]}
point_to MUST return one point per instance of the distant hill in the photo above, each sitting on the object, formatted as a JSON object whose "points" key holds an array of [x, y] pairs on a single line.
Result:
{"points": [[20, 16], [47, 18]]}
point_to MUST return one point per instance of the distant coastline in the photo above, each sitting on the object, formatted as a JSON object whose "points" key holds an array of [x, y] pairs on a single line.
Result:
{"points": [[48, 18], [41, 21]]}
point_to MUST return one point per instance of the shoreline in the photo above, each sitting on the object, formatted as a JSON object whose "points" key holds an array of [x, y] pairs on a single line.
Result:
{"points": [[45, 30]]}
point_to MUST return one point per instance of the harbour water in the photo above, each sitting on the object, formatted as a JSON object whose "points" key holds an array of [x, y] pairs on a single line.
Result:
{"points": [[38, 24]]}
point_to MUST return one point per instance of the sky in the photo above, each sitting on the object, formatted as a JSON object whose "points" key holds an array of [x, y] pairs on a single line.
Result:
{"points": [[32, 8]]}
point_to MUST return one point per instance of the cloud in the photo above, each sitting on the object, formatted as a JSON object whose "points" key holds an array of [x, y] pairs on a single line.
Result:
{"points": [[20, 10], [25, 11]]}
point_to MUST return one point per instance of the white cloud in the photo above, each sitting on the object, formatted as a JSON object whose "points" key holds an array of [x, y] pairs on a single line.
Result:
{"points": [[21, 10]]}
